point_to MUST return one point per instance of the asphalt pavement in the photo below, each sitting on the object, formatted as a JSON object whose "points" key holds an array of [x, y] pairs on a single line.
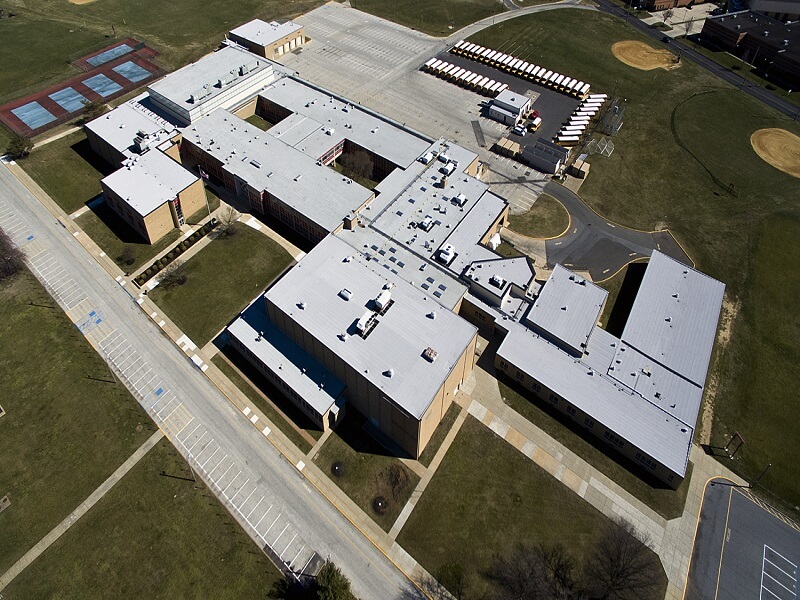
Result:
{"points": [[599, 246], [197, 418], [743, 549]]}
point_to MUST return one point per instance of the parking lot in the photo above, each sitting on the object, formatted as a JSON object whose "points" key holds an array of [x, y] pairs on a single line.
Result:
{"points": [[376, 63], [743, 549]]}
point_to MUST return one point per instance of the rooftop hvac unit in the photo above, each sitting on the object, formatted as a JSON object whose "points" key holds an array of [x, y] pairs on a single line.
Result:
{"points": [[497, 281], [383, 299], [430, 354]]}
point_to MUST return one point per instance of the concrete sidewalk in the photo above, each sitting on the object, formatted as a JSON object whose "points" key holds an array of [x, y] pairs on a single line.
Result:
{"points": [[76, 514]]}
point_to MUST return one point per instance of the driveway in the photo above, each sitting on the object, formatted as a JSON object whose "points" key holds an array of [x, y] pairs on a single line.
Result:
{"points": [[599, 246]]}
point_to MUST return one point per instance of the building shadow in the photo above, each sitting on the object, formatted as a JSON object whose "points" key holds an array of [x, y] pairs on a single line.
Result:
{"points": [[624, 301]]}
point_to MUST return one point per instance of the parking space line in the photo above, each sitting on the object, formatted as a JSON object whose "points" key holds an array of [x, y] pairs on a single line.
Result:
{"points": [[198, 440], [247, 518]]}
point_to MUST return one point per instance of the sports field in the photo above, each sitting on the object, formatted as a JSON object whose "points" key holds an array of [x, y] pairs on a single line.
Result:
{"points": [[42, 37], [684, 160]]}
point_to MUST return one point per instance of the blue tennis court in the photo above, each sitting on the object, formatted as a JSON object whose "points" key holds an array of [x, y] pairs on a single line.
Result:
{"points": [[68, 99], [33, 114], [102, 85], [108, 55], [132, 72]]}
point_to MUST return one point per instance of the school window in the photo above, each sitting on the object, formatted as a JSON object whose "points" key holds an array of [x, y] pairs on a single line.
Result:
{"points": [[588, 422], [553, 398], [671, 477], [520, 376], [503, 365], [613, 439], [571, 411], [537, 387]]}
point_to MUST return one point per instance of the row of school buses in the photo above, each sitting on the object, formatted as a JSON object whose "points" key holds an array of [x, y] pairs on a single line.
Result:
{"points": [[464, 77], [521, 68]]}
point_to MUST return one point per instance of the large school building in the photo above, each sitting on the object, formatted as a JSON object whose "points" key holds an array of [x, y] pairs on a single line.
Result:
{"points": [[382, 315]]}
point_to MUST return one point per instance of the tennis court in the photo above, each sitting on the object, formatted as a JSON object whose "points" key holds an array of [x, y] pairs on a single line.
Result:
{"points": [[109, 55], [33, 114], [68, 99], [102, 85], [132, 72]]}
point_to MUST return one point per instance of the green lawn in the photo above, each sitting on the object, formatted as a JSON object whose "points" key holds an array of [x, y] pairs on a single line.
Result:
{"points": [[508, 250], [213, 204], [222, 279], [435, 18], [368, 470], [68, 424], [156, 534], [547, 218], [112, 234], [259, 122], [68, 170], [486, 497], [669, 167], [442, 429], [280, 417], [665, 501], [59, 30]]}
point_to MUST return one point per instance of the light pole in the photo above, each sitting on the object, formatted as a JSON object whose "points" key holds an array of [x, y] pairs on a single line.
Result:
{"points": [[764, 472]]}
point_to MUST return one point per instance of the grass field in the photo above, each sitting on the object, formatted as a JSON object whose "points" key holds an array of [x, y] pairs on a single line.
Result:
{"points": [[442, 429], [547, 218], [259, 122], [63, 433], [68, 170], [435, 18], [668, 168], [221, 280], [112, 234], [60, 30], [156, 534], [486, 497], [665, 501], [278, 417], [368, 470]]}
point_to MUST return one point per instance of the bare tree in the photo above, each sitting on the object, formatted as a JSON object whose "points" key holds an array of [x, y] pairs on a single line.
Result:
{"points": [[174, 274], [622, 565], [452, 577], [227, 221], [668, 15], [521, 574], [358, 163], [688, 26], [10, 257], [128, 254], [93, 109]]}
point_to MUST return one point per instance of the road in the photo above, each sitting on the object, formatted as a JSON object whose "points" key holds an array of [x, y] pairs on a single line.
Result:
{"points": [[267, 495], [598, 246], [686, 52], [743, 548]]}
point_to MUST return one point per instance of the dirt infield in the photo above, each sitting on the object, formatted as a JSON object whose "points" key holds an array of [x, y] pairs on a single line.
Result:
{"points": [[779, 148], [641, 56]]}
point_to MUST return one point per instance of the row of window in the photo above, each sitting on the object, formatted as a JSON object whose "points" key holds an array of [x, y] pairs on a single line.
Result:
{"points": [[613, 439], [647, 461], [276, 379]]}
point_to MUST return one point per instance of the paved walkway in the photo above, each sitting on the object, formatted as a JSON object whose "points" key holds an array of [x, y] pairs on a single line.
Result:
{"points": [[76, 514], [672, 539]]}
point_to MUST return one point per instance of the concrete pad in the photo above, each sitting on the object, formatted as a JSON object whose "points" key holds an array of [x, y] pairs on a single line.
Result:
{"points": [[546, 461], [499, 426], [487, 418], [477, 410], [529, 448], [515, 438], [572, 481]]}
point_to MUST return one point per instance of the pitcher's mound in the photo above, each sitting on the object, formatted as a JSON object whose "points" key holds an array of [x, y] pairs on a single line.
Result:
{"points": [[779, 148], [641, 56]]}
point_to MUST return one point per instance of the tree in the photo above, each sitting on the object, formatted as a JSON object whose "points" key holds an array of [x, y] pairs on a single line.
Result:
{"points": [[227, 221], [19, 147], [452, 577], [128, 255], [11, 260], [688, 26], [668, 15], [332, 584], [358, 163], [536, 572], [622, 565], [174, 274], [93, 109]]}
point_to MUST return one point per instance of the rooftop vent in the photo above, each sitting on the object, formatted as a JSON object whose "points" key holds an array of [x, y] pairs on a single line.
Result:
{"points": [[430, 354], [389, 373], [343, 336], [432, 315], [301, 305], [345, 294]]}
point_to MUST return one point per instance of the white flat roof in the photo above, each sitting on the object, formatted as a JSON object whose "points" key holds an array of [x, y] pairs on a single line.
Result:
{"points": [[263, 34], [145, 182], [376, 134], [119, 126], [586, 386], [299, 370], [413, 323], [674, 317], [567, 308], [266, 163], [513, 99], [179, 86]]}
